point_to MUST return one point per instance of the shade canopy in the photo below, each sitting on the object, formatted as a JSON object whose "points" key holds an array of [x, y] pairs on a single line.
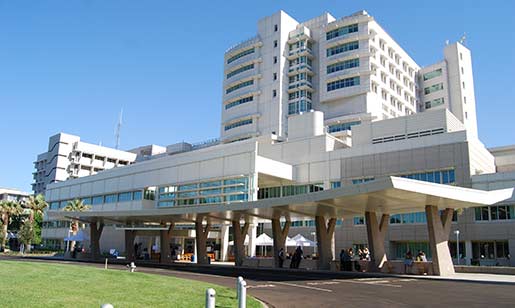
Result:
{"points": [[264, 240], [302, 241], [231, 243], [390, 195]]}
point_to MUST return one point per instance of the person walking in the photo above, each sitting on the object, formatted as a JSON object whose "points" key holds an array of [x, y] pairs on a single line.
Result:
{"points": [[343, 258], [280, 256]]}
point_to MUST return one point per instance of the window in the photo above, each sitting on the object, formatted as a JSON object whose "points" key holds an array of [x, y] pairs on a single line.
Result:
{"points": [[275, 59], [240, 70], [86, 201], [342, 126], [341, 31], [275, 43], [461, 56], [238, 124], [336, 184], [342, 65], [432, 74], [435, 102], [342, 48], [359, 220], [299, 106], [343, 83], [440, 176], [466, 115], [497, 212], [463, 84], [433, 88], [462, 71], [97, 200], [363, 180], [464, 99], [239, 86], [137, 195], [276, 28], [239, 102], [275, 76], [124, 197], [240, 55], [111, 198], [274, 93]]}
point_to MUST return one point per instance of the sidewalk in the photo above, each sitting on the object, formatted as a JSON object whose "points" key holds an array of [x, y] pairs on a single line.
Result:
{"points": [[228, 269]]}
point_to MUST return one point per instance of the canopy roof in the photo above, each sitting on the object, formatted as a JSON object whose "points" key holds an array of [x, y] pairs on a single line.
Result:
{"points": [[390, 195]]}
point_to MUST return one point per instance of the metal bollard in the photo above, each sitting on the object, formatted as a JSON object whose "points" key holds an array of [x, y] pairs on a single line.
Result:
{"points": [[210, 298], [238, 282], [242, 299], [107, 306]]}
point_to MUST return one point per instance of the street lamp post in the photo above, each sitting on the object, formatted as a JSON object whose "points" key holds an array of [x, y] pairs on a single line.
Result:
{"points": [[457, 232]]}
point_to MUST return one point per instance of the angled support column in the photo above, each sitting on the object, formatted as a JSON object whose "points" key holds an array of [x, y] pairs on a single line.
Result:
{"points": [[165, 237], [279, 234], [95, 229], [325, 234], [239, 233], [376, 233], [201, 233], [130, 235], [438, 228]]}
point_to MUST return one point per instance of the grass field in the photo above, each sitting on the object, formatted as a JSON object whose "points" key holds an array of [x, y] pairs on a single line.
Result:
{"points": [[30, 284]]}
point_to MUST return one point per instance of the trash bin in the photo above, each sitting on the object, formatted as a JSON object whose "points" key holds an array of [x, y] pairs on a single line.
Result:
{"points": [[208, 260], [192, 258]]}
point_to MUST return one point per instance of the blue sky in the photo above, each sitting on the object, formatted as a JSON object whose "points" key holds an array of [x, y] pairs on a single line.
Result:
{"points": [[72, 65]]}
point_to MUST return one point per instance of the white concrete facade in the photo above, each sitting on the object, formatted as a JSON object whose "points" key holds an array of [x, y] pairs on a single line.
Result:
{"points": [[351, 69], [279, 141], [68, 157]]}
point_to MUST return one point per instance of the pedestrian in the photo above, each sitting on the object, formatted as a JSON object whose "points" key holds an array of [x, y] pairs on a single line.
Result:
{"points": [[408, 262], [366, 254], [346, 259], [343, 258], [300, 256], [280, 256]]}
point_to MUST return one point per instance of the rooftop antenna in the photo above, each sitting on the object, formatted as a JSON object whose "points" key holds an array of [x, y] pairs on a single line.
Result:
{"points": [[118, 128], [463, 38]]}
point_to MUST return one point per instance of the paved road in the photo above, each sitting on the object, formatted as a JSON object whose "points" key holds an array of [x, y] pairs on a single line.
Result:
{"points": [[299, 290]]}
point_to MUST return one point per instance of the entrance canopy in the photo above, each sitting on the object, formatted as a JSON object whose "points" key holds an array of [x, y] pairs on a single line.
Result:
{"points": [[390, 195]]}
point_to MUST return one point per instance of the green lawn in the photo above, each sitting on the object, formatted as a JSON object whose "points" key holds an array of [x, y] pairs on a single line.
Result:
{"points": [[30, 284]]}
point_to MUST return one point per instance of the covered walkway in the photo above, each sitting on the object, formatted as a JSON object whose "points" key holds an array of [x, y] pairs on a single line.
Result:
{"points": [[376, 200]]}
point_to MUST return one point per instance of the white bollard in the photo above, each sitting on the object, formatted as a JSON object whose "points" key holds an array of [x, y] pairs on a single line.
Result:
{"points": [[210, 298], [238, 286], [105, 267], [107, 306], [242, 299]]}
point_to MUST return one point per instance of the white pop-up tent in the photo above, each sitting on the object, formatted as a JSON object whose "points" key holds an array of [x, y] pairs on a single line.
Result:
{"points": [[302, 241], [231, 243], [264, 240]]}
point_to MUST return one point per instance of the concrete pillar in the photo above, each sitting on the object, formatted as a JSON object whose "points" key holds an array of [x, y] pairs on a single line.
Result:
{"points": [[468, 252], [239, 233], [376, 232], [279, 234], [129, 245], [224, 245], [325, 234], [439, 227], [252, 232], [165, 237], [201, 233], [95, 229]]}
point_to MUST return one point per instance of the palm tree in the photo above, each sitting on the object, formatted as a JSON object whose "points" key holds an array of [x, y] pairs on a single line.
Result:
{"points": [[75, 206], [8, 208], [36, 205]]}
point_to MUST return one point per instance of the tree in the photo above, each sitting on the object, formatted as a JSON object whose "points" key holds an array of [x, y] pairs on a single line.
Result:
{"points": [[26, 233], [7, 210], [36, 205], [75, 206]]}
